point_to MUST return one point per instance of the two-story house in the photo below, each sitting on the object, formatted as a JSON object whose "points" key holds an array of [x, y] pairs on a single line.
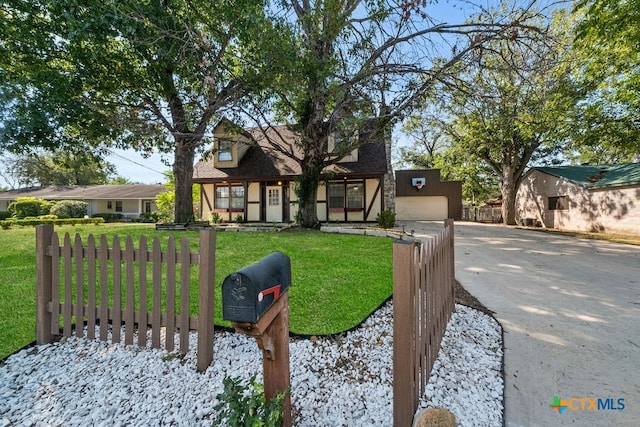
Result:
{"points": [[251, 175]]}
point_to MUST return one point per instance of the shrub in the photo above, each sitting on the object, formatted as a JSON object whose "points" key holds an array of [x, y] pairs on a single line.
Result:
{"points": [[386, 219], [108, 216], [216, 218], [5, 215], [165, 201], [31, 221], [149, 217], [29, 206], [48, 217], [242, 404], [69, 209], [239, 218]]}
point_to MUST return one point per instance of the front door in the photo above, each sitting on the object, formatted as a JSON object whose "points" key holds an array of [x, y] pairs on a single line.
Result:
{"points": [[274, 204]]}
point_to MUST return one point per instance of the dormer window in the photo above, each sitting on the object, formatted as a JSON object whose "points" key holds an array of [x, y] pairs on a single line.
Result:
{"points": [[340, 141], [225, 150]]}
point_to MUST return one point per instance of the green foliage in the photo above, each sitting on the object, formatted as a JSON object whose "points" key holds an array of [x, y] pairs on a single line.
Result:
{"points": [[29, 206], [50, 216], [5, 215], [215, 218], [147, 75], [607, 46], [69, 209], [166, 206], [239, 218], [149, 217], [508, 109], [166, 200], [386, 219], [244, 404], [62, 167], [108, 216], [47, 219]]}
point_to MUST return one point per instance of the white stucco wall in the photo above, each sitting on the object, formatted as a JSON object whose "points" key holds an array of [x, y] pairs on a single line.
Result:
{"points": [[610, 210]]}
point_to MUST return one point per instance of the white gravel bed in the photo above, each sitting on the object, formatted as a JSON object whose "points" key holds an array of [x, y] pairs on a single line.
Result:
{"points": [[336, 381]]}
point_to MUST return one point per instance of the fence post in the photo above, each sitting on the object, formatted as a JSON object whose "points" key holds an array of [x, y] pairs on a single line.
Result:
{"points": [[206, 291], [403, 333], [451, 263], [44, 234]]}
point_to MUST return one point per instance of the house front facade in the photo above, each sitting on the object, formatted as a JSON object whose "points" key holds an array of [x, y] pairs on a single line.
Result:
{"points": [[128, 200], [602, 198], [251, 177]]}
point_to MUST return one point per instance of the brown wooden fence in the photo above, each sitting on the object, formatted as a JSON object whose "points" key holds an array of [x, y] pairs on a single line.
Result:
{"points": [[86, 283], [423, 300]]}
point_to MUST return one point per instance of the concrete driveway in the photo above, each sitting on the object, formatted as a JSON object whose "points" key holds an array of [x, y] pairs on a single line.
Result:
{"points": [[570, 309]]}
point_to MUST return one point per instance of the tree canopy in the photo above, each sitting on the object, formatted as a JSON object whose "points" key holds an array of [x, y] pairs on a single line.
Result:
{"points": [[60, 168], [509, 108], [148, 75], [156, 73], [366, 64], [608, 44]]}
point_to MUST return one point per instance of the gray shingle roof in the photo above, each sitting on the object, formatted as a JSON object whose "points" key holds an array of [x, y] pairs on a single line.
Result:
{"points": [[86, 192], [264, 161]]}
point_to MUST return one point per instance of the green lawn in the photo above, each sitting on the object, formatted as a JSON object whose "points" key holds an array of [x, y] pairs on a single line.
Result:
{"points": [[338, 280]]}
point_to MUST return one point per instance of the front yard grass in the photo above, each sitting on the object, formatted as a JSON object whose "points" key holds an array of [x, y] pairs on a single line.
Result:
{"points": [[337, 279]]}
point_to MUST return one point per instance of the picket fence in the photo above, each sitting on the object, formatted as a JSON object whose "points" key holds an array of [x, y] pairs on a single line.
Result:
{"points": [[85, 284], [423, 301]]}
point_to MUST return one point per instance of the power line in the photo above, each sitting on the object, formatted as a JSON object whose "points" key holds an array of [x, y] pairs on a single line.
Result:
{"points": [[134, 162]]}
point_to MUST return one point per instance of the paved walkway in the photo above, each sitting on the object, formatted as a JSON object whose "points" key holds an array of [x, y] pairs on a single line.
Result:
{"points": [[570, 309]]}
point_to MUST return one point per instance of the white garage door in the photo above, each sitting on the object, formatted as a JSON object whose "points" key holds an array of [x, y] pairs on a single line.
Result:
{"points": [[422, 208]]}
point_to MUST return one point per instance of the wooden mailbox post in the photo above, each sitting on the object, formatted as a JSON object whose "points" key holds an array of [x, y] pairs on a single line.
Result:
{"points": [[272, 334], [256, 301]]}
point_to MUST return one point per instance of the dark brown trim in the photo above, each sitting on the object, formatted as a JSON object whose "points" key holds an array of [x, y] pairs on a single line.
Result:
{"points": [[203, 196], [373, 199]]}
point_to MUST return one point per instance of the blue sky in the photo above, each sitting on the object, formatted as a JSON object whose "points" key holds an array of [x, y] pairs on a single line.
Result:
{"points": [[137, 169]]}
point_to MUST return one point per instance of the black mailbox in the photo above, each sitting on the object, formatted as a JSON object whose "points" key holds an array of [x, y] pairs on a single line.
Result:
{"points": [[250, 291]]}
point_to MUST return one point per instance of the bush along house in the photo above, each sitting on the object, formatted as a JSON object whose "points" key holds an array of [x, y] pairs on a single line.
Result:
{"points": [[250, 177]]}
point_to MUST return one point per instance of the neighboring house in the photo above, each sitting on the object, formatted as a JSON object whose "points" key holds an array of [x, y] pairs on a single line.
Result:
{"points": [[420, 195], [582, 198], [247, 177], [128, 200]]}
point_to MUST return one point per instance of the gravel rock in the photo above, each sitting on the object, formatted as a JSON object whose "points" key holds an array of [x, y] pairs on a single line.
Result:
{"points": [[343, 380]]}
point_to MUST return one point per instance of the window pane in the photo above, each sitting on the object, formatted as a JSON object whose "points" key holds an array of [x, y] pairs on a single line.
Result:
{"points": [[558, 203], [224, 151], [237, 197], [274, 197], [118, 206], [336, 195], [222, 198], [355, 195]]}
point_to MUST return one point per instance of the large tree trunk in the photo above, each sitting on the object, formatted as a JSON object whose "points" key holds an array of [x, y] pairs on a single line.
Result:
{"points": [[509, 189], [183, 176], [315, 136], [307, 191]]}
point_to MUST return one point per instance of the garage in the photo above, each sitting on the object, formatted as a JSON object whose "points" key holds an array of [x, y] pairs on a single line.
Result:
{"points": [[422, 196], [433, 208]]}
